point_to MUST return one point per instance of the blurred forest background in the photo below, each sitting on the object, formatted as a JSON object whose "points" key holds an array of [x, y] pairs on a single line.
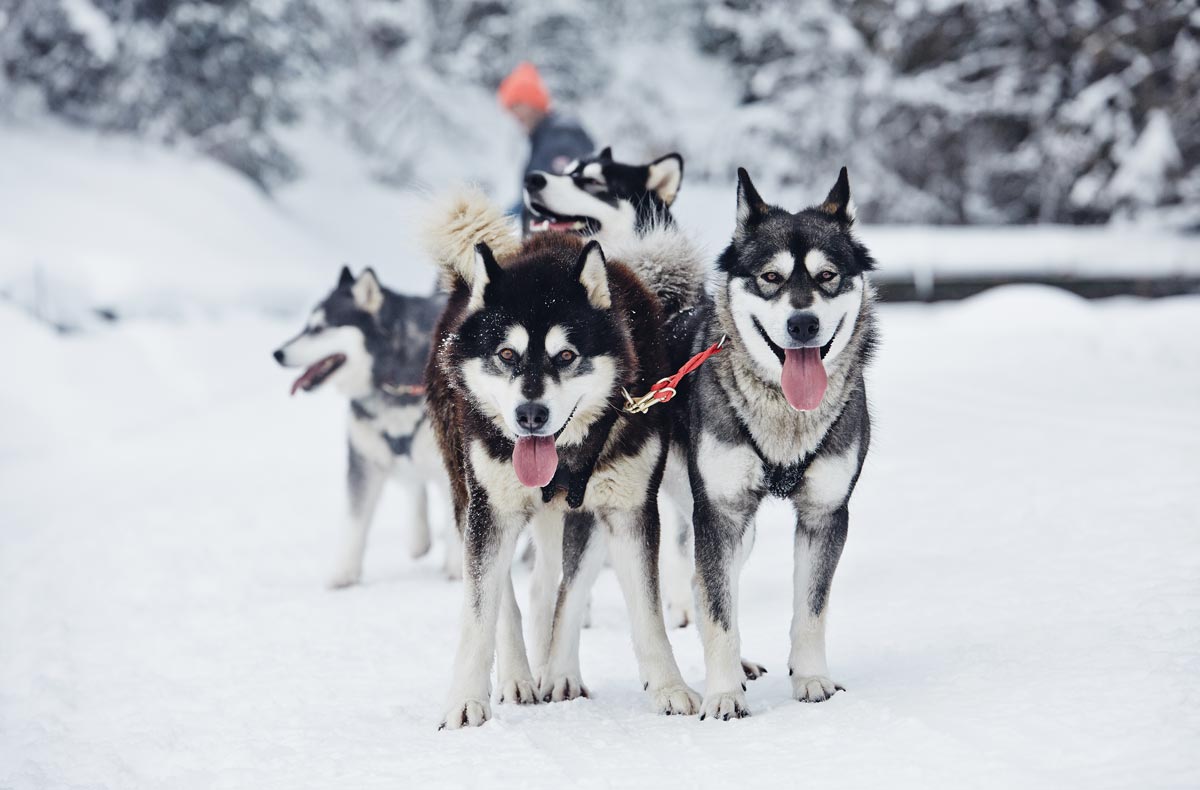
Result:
{"points": [[954, 111]]}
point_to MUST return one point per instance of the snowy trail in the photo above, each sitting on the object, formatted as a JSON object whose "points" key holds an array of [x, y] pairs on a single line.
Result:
{"points": [[1018, 604]]}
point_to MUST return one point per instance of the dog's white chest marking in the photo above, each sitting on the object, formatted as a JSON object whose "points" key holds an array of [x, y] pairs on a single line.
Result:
{"points": [[504, 490], [827, 480], [728, 470], [622, 485], [368, 435]]}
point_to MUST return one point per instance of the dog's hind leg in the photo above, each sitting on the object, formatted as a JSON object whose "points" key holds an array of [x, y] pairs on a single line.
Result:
{"points": [[487, 554], [819, 542], [677, 562], [583, 551], [633, 547], [418, 518], [364, 483], [676, 554]]}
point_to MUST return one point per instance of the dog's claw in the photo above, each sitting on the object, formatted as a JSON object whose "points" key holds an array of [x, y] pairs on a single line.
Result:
{"points": [[562, 688], [813, 688], [468, 713], [518, 691], [725, 706], [677, 699]]}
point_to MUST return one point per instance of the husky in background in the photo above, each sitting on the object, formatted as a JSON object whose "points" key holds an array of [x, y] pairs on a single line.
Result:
{"points": [[524, 387], [781, 411], [600, 197], [372, 345]]}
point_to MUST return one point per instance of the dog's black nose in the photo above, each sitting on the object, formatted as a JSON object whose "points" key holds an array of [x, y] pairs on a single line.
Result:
{"points": [[803, 327], [278, 355], [535, 181], [532, 416]]}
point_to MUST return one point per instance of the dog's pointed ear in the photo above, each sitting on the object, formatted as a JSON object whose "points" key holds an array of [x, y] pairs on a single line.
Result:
{"points": [[838, 203], [666, 173], [487, 271], [605, 154], [592, 272], [750, 207], [345, 279], [368, 293]]}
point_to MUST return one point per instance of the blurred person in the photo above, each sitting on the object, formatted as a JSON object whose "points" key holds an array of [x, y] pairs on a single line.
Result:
{"points": [[554, 139]]}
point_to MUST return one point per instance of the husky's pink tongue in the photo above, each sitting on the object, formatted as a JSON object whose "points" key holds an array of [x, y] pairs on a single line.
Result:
{"points": [[534, 460], [803, 378]]}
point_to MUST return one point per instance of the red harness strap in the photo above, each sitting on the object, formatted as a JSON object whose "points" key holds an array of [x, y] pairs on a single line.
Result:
{"points": [[664, 389]]}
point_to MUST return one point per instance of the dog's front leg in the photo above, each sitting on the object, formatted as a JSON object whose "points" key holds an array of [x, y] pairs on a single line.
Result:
{"points": [[515, 681], [819, 541], [722, 539], [487, 558], [583, 550], [364, 483], [546, 527], [633, 548]]}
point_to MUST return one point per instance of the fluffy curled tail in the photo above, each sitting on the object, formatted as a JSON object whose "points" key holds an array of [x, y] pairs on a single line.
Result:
{"points": [[457, 221]]}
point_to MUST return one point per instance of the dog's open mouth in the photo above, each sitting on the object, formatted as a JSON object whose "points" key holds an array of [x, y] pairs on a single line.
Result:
{"points": [[803, 379], [544, 219], [535, 458], [781, 352], [315, 375]]}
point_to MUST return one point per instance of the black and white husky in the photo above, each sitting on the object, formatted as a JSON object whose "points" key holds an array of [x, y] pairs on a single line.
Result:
{"points": [[781, 411], [531, 355], [372, 345], [627, 208], [600, 197]]}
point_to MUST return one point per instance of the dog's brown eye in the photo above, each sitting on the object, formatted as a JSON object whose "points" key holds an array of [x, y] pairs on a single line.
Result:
{"points": [[565, 357], [507, 354], [826, 276], [773, 277]]}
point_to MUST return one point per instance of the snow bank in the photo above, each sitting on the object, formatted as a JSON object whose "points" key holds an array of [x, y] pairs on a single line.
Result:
{"points": [[111, 224], [127, 226]]}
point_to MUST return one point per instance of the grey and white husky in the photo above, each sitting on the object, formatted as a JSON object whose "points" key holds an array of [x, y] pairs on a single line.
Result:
{"points": [[372, 345], [782, 412]]}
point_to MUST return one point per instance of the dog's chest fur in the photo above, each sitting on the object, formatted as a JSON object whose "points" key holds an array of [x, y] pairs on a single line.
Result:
{"points": [[385, 432], [618, 482]]}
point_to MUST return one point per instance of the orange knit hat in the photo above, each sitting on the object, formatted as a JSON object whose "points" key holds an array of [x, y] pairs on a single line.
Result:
{"points": [[524, 86]]}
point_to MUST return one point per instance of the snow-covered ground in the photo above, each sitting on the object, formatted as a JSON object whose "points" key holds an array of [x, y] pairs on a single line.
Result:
{"points": [[1018, 604]]}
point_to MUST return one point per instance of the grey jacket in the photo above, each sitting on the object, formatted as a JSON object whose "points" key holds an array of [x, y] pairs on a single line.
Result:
{"points": [[553, 143]]}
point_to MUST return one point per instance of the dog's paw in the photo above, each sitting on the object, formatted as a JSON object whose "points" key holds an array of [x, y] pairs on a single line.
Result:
{"points": [[468, 713], [345, 577], [813, 688], [560, 688], [753, 671], [518, 691], [676, 700], [724, 706]]}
